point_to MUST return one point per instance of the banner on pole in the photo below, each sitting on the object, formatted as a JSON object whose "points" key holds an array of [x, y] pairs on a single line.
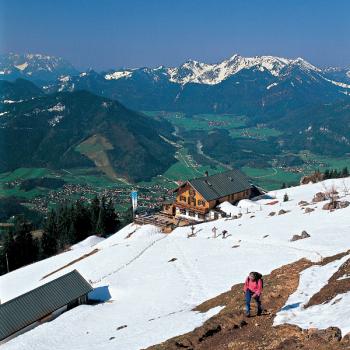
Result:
{"points": [[134, 200]]}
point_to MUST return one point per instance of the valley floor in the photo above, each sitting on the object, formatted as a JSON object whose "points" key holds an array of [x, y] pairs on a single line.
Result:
{"points": [[155, 282]]}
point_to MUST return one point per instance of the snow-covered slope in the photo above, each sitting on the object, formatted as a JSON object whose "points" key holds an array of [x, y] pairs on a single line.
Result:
{"points": [[338, 74], [155, 280]]}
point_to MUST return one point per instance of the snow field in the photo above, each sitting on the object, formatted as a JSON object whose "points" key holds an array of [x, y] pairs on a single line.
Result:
{"points": [[155, 297]]}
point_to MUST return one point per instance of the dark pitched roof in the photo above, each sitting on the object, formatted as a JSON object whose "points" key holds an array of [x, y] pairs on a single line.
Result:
{"points": [[221, 185], [30, 307]]}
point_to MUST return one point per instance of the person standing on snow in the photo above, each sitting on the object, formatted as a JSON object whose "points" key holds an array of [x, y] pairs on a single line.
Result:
{"points": [[192, 234], [253, 287]]}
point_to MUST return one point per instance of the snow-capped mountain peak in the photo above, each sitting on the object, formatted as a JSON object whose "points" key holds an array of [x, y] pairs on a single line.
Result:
{"points": [[118, 75], [34, 66], [197, 72], [193, 71]]}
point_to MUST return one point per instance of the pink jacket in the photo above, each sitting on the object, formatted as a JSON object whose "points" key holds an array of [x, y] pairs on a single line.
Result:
{"points": [[255, 287]]}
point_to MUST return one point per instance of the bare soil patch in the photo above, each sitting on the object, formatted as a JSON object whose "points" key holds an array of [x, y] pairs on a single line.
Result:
{"points": [[71, 263]]}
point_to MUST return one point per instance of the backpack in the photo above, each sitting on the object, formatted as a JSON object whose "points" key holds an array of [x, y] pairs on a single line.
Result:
{"points": [[258, 276]]}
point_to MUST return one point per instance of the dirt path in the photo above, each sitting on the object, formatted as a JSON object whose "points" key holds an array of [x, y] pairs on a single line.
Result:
{"points": [[230, 329]]}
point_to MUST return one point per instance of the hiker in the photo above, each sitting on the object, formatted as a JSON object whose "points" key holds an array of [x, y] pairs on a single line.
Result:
{"points": [[192, 234], [224, 233], [214, 229], [252, 288]]}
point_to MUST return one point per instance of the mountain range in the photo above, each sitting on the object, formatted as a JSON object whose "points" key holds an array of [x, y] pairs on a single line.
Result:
{"points": [[260, 86], [309, 105], [35, 67]]}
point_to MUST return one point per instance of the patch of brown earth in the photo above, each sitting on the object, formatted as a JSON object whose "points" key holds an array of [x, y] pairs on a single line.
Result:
{"points": [[130, 234], [230, 329], [71, 263], [334, 286]]}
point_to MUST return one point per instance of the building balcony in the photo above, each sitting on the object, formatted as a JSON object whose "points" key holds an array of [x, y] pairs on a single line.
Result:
{"points": [[197, 209]]}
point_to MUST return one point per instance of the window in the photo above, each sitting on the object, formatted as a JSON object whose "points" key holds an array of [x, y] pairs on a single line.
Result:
{"points": [[191, 201], [191, 213], [201, 202], [183, 211], [182, 199]]}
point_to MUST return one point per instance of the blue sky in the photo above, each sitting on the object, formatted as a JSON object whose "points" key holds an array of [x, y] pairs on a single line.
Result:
{"points": [[132, 33]]}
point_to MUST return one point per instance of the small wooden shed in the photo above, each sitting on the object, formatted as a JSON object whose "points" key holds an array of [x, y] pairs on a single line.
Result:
{"points": [[42, 304]]}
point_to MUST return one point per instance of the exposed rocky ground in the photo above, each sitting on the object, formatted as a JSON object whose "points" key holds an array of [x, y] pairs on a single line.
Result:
{"points": [[230, 329]]}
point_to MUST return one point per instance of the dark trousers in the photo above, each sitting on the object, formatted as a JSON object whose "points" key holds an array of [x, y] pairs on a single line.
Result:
{"points": [[248, 298]]}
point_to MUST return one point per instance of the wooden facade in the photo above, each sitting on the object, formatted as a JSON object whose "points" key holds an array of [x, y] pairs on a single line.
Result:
{"points": [[189, 200], [197, 198]]}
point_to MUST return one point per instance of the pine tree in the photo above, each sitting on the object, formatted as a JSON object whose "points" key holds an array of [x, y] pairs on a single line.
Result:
{"points": [[48, 245], [111, 218], [345, 172], [49, 239], [25, 246], [8, 253], [3, 265], [283, 185], [82, 221], [101, 222], [101, 227], [285, 198], [71, 235], [64, 217], [127, 217], [94, 213]]}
